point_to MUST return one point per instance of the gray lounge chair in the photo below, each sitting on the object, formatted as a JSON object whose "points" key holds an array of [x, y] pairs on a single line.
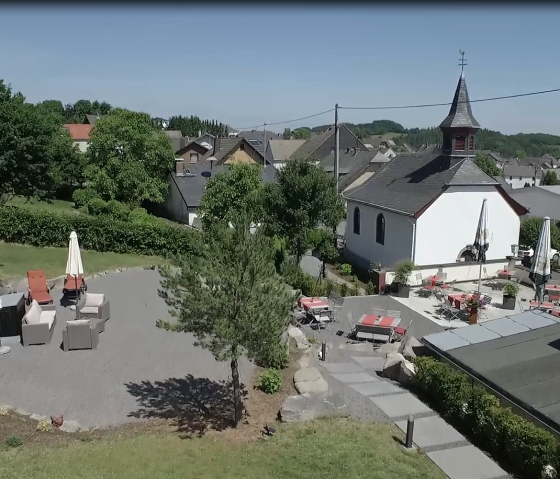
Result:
{"points": [[38, 324], [94, 306], [81, 334]]}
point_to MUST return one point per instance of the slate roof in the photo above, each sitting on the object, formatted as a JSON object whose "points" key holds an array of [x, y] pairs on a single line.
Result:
{"points": [[177, 139], [91, 119], [460, 114], [307, 149], [255, 136], [523, 171], [348, 161], [283, 149], [408, 183], [540, 201]]}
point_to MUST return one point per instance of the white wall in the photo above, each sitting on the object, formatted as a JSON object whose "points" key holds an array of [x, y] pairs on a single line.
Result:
{"points": [[450, 224], [82, 145], [363, 248], [515, 182]]}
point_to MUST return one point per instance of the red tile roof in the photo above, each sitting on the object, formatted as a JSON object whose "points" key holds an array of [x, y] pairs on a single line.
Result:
{"points": [[79, 132]]}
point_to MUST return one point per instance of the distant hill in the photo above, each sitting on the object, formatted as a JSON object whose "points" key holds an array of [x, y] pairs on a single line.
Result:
{"points": [[517, 146]]}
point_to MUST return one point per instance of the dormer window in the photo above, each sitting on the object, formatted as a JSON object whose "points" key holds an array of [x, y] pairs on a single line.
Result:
{"points": [[460, 143]]}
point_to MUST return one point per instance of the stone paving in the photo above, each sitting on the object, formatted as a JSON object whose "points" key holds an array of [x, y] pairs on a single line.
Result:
{"points": [[138, 370], [442, 443]]}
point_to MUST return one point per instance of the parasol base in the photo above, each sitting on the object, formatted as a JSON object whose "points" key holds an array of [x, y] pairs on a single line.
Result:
{"points": [[4, 350]]}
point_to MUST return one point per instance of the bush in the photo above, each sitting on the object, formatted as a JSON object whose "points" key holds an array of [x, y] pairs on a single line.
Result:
{"points": [[370, 288], [343, 289], [270, 381], [298, 279], [117, 210], [346, 269], [44, 425], [83, 197], [13, 442], [46, 228], [97, 207], [526, 448]]}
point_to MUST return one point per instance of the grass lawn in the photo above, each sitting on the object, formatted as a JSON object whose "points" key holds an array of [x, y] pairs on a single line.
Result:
{"points": [[17, 259], [327, 449], [57, 206]]}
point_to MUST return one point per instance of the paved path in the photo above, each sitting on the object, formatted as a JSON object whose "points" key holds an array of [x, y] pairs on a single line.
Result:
{"points": [[357, 377], [138, 370]]}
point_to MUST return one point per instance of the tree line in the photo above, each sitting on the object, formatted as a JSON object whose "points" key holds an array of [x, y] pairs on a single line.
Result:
{"points": [[193, 125], [73, 112]]}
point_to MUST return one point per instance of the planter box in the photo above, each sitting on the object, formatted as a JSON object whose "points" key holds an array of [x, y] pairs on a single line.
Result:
{"points": [[509, 302], [403, 291]]}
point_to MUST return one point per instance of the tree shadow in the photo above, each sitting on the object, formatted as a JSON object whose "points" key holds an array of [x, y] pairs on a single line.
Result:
{"points": [[195, 405]]}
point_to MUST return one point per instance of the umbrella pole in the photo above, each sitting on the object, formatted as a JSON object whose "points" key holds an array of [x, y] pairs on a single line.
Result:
{"points": [[76, 285], [479, 277]]}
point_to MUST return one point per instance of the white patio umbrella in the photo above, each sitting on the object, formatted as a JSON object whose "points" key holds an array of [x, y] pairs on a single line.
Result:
{"points": [[540, 269], [482, 239], [74, 265]]}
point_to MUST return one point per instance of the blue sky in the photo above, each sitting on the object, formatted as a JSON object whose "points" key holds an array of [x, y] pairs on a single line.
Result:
{"points": [[245, 66]]}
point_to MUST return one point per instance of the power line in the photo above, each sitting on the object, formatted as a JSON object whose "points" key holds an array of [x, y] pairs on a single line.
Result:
{"points": [[447, 104], [285, 122]]}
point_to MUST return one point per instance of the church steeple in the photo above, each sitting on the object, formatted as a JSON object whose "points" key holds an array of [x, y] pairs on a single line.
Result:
{"points": [[460, 126]]}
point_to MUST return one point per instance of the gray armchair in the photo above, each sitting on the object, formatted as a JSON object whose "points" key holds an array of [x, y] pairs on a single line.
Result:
{"points": [[94, 306], [38, 324], [80, 334]]}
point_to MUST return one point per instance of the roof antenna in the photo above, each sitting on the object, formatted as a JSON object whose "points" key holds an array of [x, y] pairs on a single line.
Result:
{"points": [[463, 63]]}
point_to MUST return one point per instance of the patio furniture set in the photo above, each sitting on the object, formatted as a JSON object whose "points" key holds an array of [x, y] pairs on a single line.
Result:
{"points": [[434, 284], [457, 305], [37, 324]]}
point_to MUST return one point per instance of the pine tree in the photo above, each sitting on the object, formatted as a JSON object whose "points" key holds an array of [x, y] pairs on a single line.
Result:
{"points": [[230, 298]]}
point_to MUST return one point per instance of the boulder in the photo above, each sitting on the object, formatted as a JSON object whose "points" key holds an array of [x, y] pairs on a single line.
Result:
{"points": [[308, 358], [70, 426], [307, 407], [22, 412], [391, 368], [310, 380], [389, 348], [411, 347], [406, 372], [294, 332], [39, 417]]}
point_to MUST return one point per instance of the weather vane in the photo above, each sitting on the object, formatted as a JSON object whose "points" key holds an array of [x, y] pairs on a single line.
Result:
{"points": [[463, 63]]}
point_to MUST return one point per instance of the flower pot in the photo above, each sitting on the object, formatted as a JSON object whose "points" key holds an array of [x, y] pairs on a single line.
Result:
{"points": [[473, 315], [509, 302], [403, 290]]}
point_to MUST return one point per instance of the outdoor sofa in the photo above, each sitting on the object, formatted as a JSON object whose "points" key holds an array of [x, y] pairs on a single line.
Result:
{"points": [[81, 334], [38, 324]]}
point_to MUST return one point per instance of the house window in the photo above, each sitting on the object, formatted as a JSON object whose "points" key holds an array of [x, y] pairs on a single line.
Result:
{"points": [[460, 143], [471, 143], [194, 157], [356, 220], [242, 147], [380, 229]]}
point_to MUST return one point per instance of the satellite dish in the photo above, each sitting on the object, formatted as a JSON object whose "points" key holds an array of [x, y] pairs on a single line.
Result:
{"points": [[206, 174]]}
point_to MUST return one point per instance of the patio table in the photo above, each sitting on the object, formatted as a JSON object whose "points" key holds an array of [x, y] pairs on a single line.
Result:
{"points": [[505, 274], [543, 305], [381, 321], [456, 299], [435, 279], [312, 303]]}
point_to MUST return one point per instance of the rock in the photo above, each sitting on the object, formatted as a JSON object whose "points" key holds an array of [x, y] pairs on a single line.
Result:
{"points": [[391, 368], [308, 358], [22, 412], [411, 347], [38, 417], [406, 372], [302, 345], [310, 380], [389, 348], [294, 332], [312, 406], [6, 407], [70, 426]]}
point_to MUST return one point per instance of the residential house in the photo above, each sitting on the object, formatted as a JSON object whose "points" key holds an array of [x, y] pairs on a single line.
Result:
{"points": [[196, 164], [163, 123], [540, 201], [177, 139], [278, 152], [388, 152], [378, 142], [259, 139], [425, 207], [522, 176], [91, 119], [80, 134], [320, 146]]}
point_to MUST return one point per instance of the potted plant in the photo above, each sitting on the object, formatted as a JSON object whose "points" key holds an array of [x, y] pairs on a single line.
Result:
{"points": [[403, 270], [472, 303], [510, 294]]}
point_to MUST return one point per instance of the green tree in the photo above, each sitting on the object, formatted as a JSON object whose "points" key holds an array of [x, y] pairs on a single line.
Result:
{"points": [[487, 165], [229, 194], [323, 242], [531, 229], [230, 298], [550, 178], [26, 153], [127, 159], [301, 134], [287, 134], [303, 198], [52, 107], [68, 161]]}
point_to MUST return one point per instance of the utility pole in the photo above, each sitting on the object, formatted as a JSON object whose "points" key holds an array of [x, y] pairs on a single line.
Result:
{"points": [[336, 146]]}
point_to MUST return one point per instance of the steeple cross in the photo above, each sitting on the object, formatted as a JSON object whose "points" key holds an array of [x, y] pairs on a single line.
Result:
{"points": [[463, 63]]}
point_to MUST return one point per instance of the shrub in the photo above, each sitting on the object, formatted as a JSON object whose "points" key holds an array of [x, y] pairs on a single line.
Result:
{"points": [[343, 289], [4, 411], [83, 197], [44, 426], [270, 381], [86, 439], [47, 228], [370, 288], [511, 289], [118, 210], [330, 286], [274, 356], [97, 207], [298, 279], [403, 270], [346, 269], [13, 442], [526, 448]]}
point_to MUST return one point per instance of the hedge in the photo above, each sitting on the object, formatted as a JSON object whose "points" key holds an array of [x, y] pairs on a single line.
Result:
{"points": [[518, 443], [45, 228]]}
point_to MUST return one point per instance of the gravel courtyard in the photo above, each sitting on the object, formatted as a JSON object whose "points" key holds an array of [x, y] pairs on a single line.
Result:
{"points": [[137, 372]]}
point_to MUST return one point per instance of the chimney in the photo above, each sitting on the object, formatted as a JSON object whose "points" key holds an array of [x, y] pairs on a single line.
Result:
{"points": [[179, 168]]}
